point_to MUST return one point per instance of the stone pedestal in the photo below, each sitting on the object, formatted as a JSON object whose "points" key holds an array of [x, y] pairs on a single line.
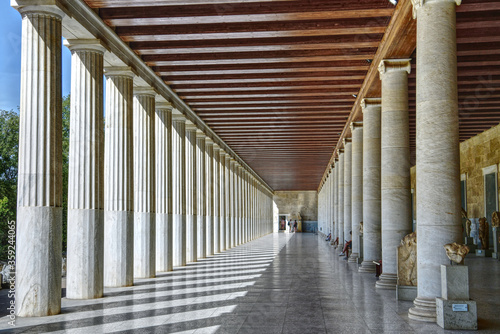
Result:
{"points": [[405, 292], [456, 314], [454, 310]]}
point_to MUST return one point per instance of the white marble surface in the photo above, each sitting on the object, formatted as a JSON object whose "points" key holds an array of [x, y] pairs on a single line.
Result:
{"points": [[437, 144], [347, 189], [357, 188], [372, 242]]}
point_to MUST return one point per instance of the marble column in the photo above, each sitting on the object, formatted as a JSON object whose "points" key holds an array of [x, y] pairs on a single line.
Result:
{"points": [[438, 157], [395, 165], [341, 199], [216, 185], [201, 196], [209, 155], [372, 244], [84, 278], [336, 199], [179, 187], [39, 197], [232, 202], [222, 200], [347, 189], [164, 186], [227, 193], [144, 183], [239, 204], [118, 179], [191, 195], [357, 187]]}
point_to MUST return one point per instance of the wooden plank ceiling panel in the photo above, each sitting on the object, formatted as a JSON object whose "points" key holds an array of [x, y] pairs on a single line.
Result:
{"points": [[280, 81]]}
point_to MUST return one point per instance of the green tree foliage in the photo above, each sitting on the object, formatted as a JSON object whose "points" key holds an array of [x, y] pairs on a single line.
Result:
{"points": [[9, 134], [9, 143]]}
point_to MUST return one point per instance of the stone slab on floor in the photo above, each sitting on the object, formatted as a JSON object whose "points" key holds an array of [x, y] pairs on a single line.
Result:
{"points": [[404, 292]]}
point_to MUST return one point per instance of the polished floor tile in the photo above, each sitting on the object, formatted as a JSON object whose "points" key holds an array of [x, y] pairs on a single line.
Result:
{"points": [[281, 283]]}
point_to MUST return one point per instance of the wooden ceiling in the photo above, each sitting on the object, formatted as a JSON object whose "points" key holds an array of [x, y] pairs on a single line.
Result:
{"points": [[279, 80]]}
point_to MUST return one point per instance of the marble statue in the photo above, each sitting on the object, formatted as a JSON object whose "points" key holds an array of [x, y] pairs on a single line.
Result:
{"points": [[467, 227], [456, 252], [495, 219], [360, 228], [407, 260], [484, 233]]}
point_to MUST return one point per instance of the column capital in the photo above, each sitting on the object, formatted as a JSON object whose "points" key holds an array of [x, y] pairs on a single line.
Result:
{"points": [[209, 141], [347, 141], [356, 125], [200, 134], [144, 90], [163, 105], [394, 65], [191, 127], [119, 71], [177, 116], [341, 151], [95, 45], [420, 3], [370, 102], [49, 7]]}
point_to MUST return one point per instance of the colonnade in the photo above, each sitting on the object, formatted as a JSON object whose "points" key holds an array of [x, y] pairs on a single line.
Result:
{"points": [[148, 189], [379, 149]]}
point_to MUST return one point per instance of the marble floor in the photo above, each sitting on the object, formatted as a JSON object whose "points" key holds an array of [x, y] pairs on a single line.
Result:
{"points": [[281, 283]]}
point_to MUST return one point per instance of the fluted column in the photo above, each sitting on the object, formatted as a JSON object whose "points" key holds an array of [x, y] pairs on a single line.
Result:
{"points": [[191, 195], [232, 202], [239, 205], [222, 199], [341, 198], [438, 158], [372, 243], [84, 278], [164, 186], [395, 165], [144, 183], [209, 154], [336, 200], [118, 179], [39, 197], [216, 185], [347, 189], [227, 193], [179, 187], [357, 187], [201, 194]]}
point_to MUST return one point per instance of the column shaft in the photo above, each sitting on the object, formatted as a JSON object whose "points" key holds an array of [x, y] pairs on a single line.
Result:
{"points": [[347, 189], [191, 192], [216, 185], [84, 278], [201, 196], [179, 188], [144, 184], [209, 149], [438, 157], [341, 199], [357, 188], [222, 199], [372, 243], [164, 187], [118, 179], [395, 165], [39, 198]]}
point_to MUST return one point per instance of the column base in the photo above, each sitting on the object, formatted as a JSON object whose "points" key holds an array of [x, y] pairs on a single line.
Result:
{"points": [[367, 267], [353, 258], [423, 310], [387, 281]]}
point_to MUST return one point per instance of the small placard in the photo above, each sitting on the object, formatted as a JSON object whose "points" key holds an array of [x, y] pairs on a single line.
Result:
{"points": [[459, 307]]}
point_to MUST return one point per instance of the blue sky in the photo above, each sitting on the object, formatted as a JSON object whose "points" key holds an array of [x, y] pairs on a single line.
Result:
{"points": [[10, 58]]}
